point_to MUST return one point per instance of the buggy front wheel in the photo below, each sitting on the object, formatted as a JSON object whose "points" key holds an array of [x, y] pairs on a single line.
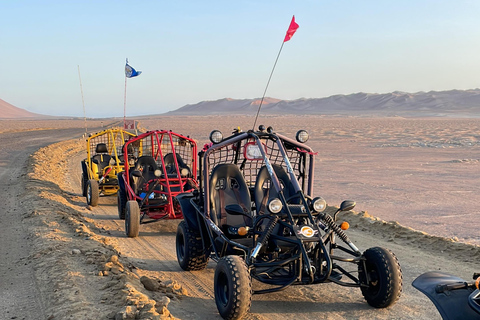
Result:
{"points": [[132, 219], [233, 287], [92, 192], [383, 275], [190, 253]]}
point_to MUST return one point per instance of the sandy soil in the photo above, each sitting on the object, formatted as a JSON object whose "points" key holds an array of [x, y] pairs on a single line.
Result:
{"points": [[417, 174]]}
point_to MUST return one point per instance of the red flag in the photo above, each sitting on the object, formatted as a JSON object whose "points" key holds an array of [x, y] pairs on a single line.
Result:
{"points": [[291, 30]]}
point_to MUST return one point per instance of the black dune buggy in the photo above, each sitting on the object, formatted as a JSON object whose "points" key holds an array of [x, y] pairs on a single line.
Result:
{"points": [[255, 215], [103, 163], [158, 165]]}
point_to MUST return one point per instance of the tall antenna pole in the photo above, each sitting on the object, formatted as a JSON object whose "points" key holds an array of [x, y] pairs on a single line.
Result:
{"points": [[268, 82], [83, 101]]}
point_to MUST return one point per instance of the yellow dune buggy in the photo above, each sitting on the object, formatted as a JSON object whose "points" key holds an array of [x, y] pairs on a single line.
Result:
{"points": [[104, 161]]}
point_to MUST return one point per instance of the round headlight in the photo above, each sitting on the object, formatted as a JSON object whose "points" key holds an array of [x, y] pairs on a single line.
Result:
{"points": [[261, 128], [302, 136], [157, 173], [216, 136], [275, 205], [319, 204]]}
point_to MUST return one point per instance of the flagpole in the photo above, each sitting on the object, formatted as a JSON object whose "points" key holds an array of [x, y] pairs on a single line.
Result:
{"points": [[125, 102], [268, 82], [83, 101]]}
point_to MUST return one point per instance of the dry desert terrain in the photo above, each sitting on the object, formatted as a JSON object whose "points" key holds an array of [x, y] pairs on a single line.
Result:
{"points": [[415, 182]]}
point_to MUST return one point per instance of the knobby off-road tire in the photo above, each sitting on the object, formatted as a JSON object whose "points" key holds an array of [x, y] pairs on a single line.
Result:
{"points": [[121, 203], [132, 219], [233, 288], [92, 193], [385, 274], [189, 247]]}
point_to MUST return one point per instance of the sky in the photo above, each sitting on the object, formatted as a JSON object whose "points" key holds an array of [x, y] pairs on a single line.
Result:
{"points": [[192, 51]]}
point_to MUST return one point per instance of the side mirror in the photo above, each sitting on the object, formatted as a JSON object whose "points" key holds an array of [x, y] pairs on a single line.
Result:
{"points": [[347, 205]]}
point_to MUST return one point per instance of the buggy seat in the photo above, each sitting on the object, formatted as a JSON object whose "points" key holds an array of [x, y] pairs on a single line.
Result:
{"points": [[101, 158], [228, 187], [264, 190], [147, 166], [171, 168]]}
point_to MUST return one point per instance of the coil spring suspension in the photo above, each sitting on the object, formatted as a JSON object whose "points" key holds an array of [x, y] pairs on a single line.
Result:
{"points": [[264, 236], [329, 221]]}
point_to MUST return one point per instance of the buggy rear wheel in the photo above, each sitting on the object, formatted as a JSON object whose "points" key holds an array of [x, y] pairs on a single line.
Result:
{"points": [[190, 253], [121, 203], [132, 219], [84, 184], [383, 275], [233, 287], [92, 192]]}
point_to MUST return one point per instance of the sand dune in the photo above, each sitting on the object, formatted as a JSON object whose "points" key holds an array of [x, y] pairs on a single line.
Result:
{"points": [[453, 103]]}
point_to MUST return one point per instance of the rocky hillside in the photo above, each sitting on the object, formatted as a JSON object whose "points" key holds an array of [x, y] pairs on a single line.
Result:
{"points": [[452, 103]]}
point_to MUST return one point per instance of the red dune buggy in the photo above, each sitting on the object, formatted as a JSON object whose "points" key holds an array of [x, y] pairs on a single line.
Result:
{"points": [[158, 166], [103, 163]]}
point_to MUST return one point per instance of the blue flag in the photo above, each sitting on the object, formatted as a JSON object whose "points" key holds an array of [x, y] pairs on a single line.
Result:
{"points": [[131, 72]]}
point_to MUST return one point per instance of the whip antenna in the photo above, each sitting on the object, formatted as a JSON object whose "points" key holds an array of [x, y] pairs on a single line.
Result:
{"points": [[83, 102]]}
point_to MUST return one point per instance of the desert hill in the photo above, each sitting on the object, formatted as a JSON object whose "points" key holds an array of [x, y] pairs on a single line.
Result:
{"points": [[9, 111], [452, 103]]}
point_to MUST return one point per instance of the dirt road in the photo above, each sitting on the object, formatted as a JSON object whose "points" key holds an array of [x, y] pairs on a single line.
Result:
{"points": [[64, 260], [19, 293], [153, 254]]}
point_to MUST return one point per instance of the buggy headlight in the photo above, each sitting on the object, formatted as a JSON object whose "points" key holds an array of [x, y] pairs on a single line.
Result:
{"points": [[319, 204], [216, 136], [302, 136], [112, 162], [157, 173], [275, 205]]}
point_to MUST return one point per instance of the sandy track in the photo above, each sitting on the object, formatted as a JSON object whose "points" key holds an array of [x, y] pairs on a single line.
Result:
{"points": [[153, 253], [73, 250]]}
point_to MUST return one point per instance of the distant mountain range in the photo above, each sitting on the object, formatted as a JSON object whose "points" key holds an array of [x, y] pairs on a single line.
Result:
{"points": [[452, 103], [9, 111]]}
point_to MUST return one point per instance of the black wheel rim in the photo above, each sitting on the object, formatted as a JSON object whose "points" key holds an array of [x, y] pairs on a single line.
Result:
{"points": [[374, 284], [223, 289]]}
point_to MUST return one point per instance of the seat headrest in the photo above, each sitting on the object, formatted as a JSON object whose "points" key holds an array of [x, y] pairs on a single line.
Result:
{"points": [[101, 148]]}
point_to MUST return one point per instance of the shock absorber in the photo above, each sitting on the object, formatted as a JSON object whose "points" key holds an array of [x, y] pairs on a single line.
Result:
{"points": [[339, 232], [264, 236]]}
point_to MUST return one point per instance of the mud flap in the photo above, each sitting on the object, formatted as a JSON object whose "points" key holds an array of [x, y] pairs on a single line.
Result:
{"points": [[188, 210]]}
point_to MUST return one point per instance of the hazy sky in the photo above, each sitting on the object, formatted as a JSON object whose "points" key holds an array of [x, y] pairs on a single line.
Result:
{"points": [[190, 51]]}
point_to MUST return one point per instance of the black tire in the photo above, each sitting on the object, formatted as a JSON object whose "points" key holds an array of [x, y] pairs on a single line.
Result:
{"points": [[190, 253], [132, 219], [233, 288], [92, 192], [84, 184], [385, 274], [121, 203]]}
